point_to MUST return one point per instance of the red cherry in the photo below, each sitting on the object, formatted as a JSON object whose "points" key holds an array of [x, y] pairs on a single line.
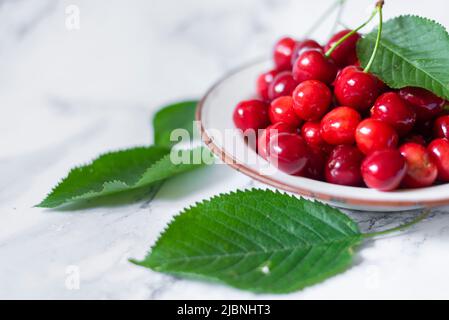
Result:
{"points": [[314, 168], [314, 65], [251, 114], [274, 129], [281, 110], [283, 85], [345, 54], [343, 166], [283, 51], [426, 105], [263, 83], [421, 168], [439, 149], [355, 88], [384, 170], [303, 46], [288, 152], [373, 135], [441, 127], [311, 100], [311, 133], [416, 138], [339, 125], [390, 108]]}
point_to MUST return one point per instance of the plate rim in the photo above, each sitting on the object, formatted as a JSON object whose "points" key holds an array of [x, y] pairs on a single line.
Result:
{"points": [[241, 167]]}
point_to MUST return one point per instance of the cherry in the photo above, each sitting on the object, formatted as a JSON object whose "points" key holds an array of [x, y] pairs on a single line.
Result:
{"points": [[311, 100], [384, 170], [263, 83], [314, 168], [339, 125], [283, 51], [355, 88], [441, 127], [373, 135], [281, 110], [343, 166], [389, 107], [345, 54], [311, 133], [303, 46], [314, 65], [251, 114], [288, 152], [426, 105], [439, 149], [274, 129], [421, 168], [283, 84], [416, 138]]}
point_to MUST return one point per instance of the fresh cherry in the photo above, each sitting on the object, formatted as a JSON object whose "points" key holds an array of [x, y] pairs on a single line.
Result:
{"points": [[263, 83], [345, 54], [288, 152], [311, 133], [355, 88], [373, 135], [339, 125], [384, 170], [251, 114], [439, 149], [274, 129], [281, 110], [390, 107], [283, 84], [314, 168], [343, 166], [421, 168], [314, 65], [311, 99], [441, 127], [426, 105], [283, 51], [303, 46]]}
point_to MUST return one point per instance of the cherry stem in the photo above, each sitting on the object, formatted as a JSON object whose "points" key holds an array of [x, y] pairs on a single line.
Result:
{"points": [[343, 39], [379, 36], [420, 218]]}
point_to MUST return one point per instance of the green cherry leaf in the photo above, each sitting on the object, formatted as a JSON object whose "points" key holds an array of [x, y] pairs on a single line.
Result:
{"points": [[413, 51], [261, 241]]}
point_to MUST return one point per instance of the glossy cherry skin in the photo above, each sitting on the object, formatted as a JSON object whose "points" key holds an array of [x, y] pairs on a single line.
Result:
{"points": [[441, 127], [311, 133], [390, 107], [288, 152], [345, 54], [263, 83], [374, 135], [355, 88], [314, 168], [427, 106], [439, 149], [384, 170], [343, 166], [274, 129], [251, 114], [422, 170], [281, 110], [313, 65], [311, 99], [283, 85], [339, 125], [282, 54], [303, 46]]}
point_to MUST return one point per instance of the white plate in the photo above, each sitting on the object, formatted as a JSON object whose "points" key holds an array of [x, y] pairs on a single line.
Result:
{"points": [[214, 114]]}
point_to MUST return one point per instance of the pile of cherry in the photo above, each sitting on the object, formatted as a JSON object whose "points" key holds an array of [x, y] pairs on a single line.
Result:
{"points": [[327, 119]]}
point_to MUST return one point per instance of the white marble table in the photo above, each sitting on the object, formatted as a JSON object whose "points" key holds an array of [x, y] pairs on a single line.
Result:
{"points": [[68, 94]]}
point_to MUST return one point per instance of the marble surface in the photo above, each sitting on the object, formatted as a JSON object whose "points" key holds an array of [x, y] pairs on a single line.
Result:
{"points": [[70, 91]]}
